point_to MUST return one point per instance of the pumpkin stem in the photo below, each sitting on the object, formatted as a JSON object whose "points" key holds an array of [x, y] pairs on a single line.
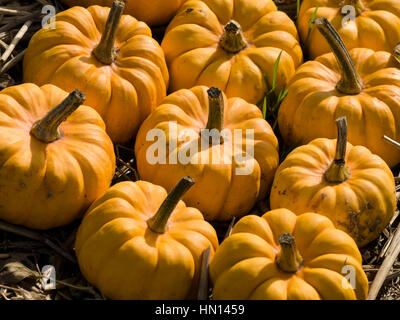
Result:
{"points": [[233, 40], [289, 258], [105, 51], [47, 128], [350, 82], [338, 171], [358, 5], [215, 112], [158, 222]]}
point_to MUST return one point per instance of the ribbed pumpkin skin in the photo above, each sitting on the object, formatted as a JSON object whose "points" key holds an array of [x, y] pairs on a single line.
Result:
{"points": [[121, 256], [362, 205], [194, 57], [126, 91], [43, 185], [219, 193], [377, 28], [154, 12], [244, 265], [313, 103]]}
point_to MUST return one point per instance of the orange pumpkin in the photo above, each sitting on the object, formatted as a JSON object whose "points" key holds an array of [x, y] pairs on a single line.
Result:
{"points": [[51, 170], [375, 24], [281, 256], [154, 12], [135, 242], [119, 66], [362, 85], [347, 183], [232, 45], [227, 185]]}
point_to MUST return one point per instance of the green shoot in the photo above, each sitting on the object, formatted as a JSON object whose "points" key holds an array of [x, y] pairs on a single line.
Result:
{"points": [[276, 65], [264, 108], [297, 9], [311, 23], [272, 101]]}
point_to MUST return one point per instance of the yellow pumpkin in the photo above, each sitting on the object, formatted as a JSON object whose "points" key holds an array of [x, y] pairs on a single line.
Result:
{"points": [[373, 24], [118, 65], [362, 85], [51, 170], [154, 12], [281, 256], [231, 45], [173, 142], [347, 183], [135, 242]]}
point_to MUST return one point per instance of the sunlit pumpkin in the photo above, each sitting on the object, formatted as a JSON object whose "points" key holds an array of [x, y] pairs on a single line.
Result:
{"points": [[135, 242], [51, 169], [232, 172], [362, 85], [232, 45], [281, 256], [373, 24], [114, 61], [153, 12], [347, 183]]}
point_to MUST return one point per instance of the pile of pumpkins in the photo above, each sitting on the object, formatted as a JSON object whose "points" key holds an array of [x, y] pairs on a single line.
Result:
{"points": [[100, 78]]}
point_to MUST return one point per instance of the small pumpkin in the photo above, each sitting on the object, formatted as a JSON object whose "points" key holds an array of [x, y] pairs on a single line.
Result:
{"points": [[51, 169], [154, 12], [362, 85], [232, 45], [368, 24], [233, 168], [348, 184], [114, 60], [281, 256], [135, 242]]}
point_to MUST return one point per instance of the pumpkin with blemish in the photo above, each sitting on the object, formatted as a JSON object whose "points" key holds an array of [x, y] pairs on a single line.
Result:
{"points": [[346, 183], [51, 170]]}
